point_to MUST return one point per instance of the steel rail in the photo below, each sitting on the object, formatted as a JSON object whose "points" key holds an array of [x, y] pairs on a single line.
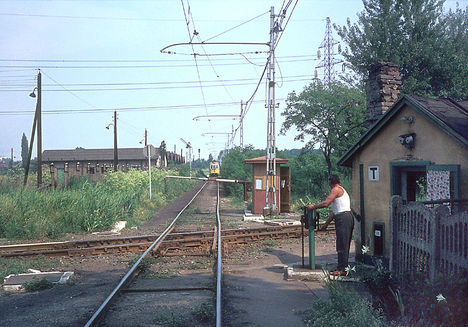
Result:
{"points": [[219, 269], [105, 305], [141, 243]]}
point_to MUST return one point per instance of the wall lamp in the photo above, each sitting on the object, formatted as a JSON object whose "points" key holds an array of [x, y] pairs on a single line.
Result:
{"points": [[407, 140]]}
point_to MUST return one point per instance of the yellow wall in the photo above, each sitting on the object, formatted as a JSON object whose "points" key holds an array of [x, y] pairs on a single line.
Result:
{"points": [[431, 144]]}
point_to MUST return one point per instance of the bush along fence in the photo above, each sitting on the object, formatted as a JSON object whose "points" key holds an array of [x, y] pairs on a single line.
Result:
{"points": [[428, 241]]}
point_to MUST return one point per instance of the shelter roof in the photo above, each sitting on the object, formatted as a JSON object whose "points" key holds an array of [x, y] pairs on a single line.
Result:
{"points": [[447, 114], [262, 159]]}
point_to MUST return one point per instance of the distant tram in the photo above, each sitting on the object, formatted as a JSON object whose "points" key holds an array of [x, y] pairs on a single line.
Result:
{"points": [[214, 168]]}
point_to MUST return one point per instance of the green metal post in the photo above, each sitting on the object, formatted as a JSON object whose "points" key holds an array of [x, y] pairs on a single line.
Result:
{"points": [[310, 220]]}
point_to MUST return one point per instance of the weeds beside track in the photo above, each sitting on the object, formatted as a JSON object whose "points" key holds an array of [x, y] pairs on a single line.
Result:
{"points": [[85, 206]]}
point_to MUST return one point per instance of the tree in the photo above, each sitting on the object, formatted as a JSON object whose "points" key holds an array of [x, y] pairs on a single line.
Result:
{"points": [[430, 47], [24, 150], [162, 153], [309, 174], [233, 167], [210, 158], [330, 116]]}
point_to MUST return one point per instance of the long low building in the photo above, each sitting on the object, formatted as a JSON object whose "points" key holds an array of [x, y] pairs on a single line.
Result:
{"points": [[100, 159]]}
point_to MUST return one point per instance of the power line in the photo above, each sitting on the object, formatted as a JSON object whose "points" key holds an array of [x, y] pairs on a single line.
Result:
{"points": [[122, 109], [93, 17], [137, 66], [159, 83], [147, 88], [70, 91], [132, 60], [232, 28]]}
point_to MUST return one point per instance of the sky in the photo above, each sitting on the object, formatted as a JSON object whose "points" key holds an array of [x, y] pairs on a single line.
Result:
{"points": [[99, 56]]}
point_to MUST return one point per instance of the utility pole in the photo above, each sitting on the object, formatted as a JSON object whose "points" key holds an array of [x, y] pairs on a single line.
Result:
{"points": [[241, 130], [146, 137], [37, 121], [11, 162], [270, 191], [39, 129], [116, 155], [328, 63]]}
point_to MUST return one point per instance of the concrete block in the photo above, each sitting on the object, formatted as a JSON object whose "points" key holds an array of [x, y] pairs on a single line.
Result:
{"points": [[283, 222], [297, 272], [118, 226], [15, 282], [255, 218]]}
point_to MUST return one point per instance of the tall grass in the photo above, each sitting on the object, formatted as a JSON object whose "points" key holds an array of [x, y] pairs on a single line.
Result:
{"points": [[27, 213]]}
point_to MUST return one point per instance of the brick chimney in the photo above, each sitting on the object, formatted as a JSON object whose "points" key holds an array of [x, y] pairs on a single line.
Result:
{"points": [[382, 88]]}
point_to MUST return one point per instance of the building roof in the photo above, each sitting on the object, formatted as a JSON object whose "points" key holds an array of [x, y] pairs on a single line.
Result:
{"points": [[81, 154], [262, 159], [447, 114]]}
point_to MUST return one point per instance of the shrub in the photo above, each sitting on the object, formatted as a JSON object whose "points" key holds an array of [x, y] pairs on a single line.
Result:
{"points": [[346, 307], [86, 206], [205, 312], [38, 285]]}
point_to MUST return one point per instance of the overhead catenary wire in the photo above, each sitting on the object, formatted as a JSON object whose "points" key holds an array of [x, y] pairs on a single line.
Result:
{"points": [[287, 22], [194, 55], [276, 42], [216, 74], [233, 28]]}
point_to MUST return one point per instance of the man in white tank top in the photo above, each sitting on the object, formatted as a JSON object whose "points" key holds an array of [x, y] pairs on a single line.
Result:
{"points": [[344, 221]]}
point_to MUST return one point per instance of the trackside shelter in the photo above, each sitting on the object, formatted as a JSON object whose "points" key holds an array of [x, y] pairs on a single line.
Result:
{"points": [[283, 184]]}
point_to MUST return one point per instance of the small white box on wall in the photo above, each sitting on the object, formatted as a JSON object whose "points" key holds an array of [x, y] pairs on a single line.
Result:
{"points": [[374, 175]]}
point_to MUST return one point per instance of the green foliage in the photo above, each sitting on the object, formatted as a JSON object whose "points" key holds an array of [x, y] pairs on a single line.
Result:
{"points": [[162, 151], [233, 167], [330, 116], [144, 265], [429, 46], [176, 320], [419, 297], [344, 308], [10, 266], [412, 300], [205, 312], [24, 150], [309, 175], [85, 206], [270, 243], [37, 285]]}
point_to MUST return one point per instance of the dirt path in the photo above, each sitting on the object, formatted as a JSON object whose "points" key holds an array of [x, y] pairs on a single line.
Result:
{"points": [[257, 293]]}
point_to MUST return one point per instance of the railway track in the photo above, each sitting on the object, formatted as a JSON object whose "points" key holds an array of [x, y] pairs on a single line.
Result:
{"points": [[172, 244], [168, 243], [125, 285]]}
